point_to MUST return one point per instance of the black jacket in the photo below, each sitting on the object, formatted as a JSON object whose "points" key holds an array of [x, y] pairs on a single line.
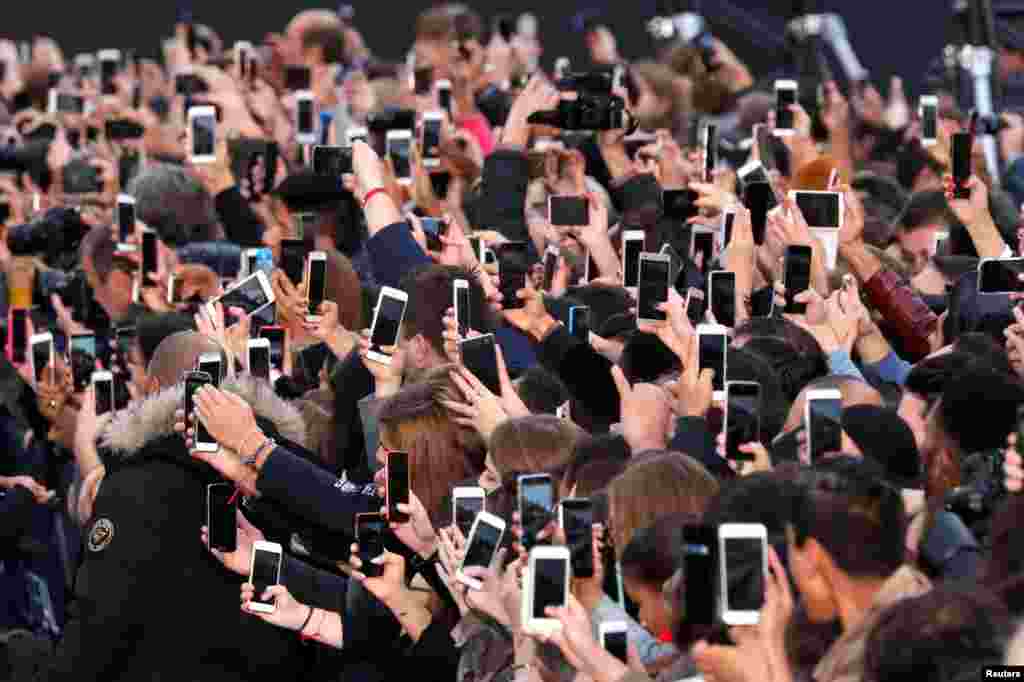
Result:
{"points": [[153, 603]]}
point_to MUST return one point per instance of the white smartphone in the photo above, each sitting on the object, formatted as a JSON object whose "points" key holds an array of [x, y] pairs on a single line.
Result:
{"points": [[316, 284], [941, 237], [430, 138], [481, 545], [742, 550], [252, 295], [202, 134], [725, 232], [356, 133], [722, 290], [613, 638], [211, 364], [172, 285], [305, 117], [398, 147], [444, 95], [928, 111], [125, 217], [41, 346], [785, 96], [712, 351], [467, 502], [752, 171], [387, 323], [702, 243], [258, 355], [823, 413], [632, 246], [460, 303], [546, 584], [820, 209], [264, 571], [103, 388], [652, 287]]}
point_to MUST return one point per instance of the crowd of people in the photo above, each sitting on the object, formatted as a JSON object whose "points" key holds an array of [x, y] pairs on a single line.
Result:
{"points": [[883, 530]]}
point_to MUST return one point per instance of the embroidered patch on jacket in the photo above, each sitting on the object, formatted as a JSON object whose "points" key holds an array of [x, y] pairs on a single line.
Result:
{"points": [[101, 535]]}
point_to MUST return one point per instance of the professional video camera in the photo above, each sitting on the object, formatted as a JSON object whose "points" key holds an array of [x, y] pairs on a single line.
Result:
{"points": [[594, 108], [55, 236]]}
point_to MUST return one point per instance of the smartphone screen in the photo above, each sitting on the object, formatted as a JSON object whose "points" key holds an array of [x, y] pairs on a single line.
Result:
{"points": [[266, 568], [41, 352], [466, 509], [83, 360], [293, 259], [723, 297], [249, 295], [652, 289], [712, 355], [512, 269], [398, 485], [19, 335], [304, 117], [431, 138], [125, 220], [104, 396], [744, 573], [399, 152], [317, 284], [297, 78], [370, 529], [276, 337], [700, 550], [387, 323], [566, 210], [710, 151], [797, 277], [616, 643], [204, 134], [826, 426], [696, 306], [962, 143], [193, 382], [631, 262], [703, 249], [149, 255], [462, 310], [537, 501], [444, 99], [578, 519], [482, 546], [579, 322], [259, 361], [221, 517], [784, 98], [743, 418], [549, 579], [679, 204], [759, 198], [929, 122], [820, 209], [1001, 276], [550, 263], [478, 356]]}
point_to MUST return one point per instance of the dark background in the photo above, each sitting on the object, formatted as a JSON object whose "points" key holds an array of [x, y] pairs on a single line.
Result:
{"points": [[890, 36]]}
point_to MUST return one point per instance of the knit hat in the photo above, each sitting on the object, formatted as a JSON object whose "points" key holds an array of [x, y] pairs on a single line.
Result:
{"points": [[979, 408], [884, 437]]}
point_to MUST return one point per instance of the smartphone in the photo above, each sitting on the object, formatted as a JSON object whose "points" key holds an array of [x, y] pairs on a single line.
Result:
{"points": [[17, 333], [42, 354], [551, 255], [536, 505], [632, 246], [702, 245], [785, 97], [568, 210], [125, 217], [82, 355], [820, 209], [275, 335], [202, 441], [796, 276], [1000, 275], [652, 287], [742, 549], [399, 149], [742, 422], [252, 295], [722, 287], [370, 530], [305, 118], [387, 323], [397, 491], [460, 302], [576, 517], [765, 148], [759, 198], [513, 268], [679, 204], [356, 133], [467, 502], [942, 243], [482, 544], [823, 410], [713, 342], [316, 284], [444, 95], [546, 584], [243, 59], [752, 171], [297, 78], [614, 640], [710, 151], [150, 255], [962, 145], [264, 571], [103, 388], [332, 160], [928, 111], [696, 306], [293, 259], [478, 356], [202, 127], [220, 517], [700, 565], [430, 139], [258, 351], [110, 64], [579, 322]]}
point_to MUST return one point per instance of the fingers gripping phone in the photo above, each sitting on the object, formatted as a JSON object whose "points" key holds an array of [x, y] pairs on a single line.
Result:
{"points": [[397, 469], [387, 323], [264, 571], [536, 504], [576, 517], [467, 502], [742, 549], [823, 409], [482, 544], [742, 417], [202, 441], [220, 516], [370, 529], [713, 342], [479, 357], [796, 276]]}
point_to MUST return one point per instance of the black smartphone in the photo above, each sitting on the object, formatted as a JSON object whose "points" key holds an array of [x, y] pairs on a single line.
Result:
{"points": [[83, 360], [387, 323], [332, 160], [297, 77], [579, 322], [577, 519], [460, 295], [293, 259], [276, 337], [189, 84], [742, 417], [398, 485], [103, 387], [710, 151], [711, 355], [615, 639], [423, 80], [370, 530], [1000, 275], [962, 145], [700, 562], [150, 256], [652, 286], [703, 245], [759, 198], [568, 210], [193, 382], [19, 335], [259, 358], [125, 218], [513, 268], [316, 283], [820, 209], [536, 504], [722, 285], [478, 356], [680, 204], [550, 265], [431, 142], [797, 276], [444, 96], [220, 517], [785, 97], [696, 306]]}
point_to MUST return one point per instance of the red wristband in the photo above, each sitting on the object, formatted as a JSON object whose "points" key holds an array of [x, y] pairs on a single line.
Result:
{"points": [[372, 193]]}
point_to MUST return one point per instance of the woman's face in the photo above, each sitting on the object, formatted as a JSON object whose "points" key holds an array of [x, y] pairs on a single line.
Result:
{"points": [[655, 615], [490, 479]]}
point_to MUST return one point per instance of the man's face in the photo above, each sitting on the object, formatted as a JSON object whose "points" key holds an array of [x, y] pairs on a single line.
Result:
{"points": [[914, 410], [439, 54], [917, 246]]}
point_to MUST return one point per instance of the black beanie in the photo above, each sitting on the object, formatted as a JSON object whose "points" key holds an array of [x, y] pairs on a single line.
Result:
{"points": [[883, 436], [979, 408]]}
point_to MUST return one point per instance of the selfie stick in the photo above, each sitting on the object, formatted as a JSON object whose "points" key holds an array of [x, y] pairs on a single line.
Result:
{"points": [[978, 57]]}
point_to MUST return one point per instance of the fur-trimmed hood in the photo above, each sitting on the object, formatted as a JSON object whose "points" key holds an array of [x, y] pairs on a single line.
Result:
{"points": [[128, 432]]}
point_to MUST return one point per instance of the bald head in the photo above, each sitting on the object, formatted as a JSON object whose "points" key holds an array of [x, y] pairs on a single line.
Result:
{"points": [[179, 353], [312, 19]]}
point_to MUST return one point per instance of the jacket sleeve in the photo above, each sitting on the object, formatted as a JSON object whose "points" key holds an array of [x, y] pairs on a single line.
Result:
{"points": [[1014, 181], [393, 252], [313, 587], [435, 648], [891, 369], [352, 382], [693, 438], [910, 317], [240, 223], [505, 178], [586, 373]]}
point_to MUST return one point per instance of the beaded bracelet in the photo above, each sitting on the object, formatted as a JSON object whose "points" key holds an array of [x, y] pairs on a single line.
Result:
{"points": [[269, 443], [309, 616]]}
